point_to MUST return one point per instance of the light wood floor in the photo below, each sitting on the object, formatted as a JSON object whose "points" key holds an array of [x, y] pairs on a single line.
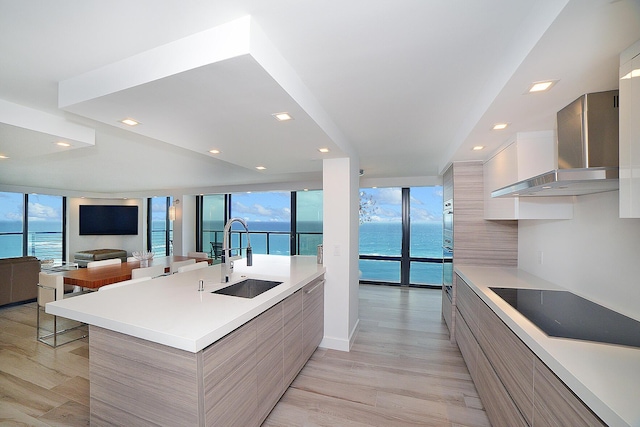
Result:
{"points": [[401, 371]]}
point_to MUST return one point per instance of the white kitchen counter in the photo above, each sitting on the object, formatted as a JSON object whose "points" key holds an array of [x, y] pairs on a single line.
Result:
{"points": [[169, 310], [605, 377]]}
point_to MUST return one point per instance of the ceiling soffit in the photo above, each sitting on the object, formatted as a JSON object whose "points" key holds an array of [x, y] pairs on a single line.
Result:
{"points": [[214, 89]]}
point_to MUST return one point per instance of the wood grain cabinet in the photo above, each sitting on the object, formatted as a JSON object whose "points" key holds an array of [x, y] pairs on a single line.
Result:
{"points": [[515, 386], [292, 336], [312, 316], [235, 381]]}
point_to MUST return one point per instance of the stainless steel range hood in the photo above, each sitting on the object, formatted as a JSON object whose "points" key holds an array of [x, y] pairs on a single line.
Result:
{"points": [[587, 151]]}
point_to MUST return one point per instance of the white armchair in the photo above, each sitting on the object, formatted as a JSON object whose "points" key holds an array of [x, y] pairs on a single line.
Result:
{"points": [[177, 264], [153, 271], [196, 266], [104, 262]]}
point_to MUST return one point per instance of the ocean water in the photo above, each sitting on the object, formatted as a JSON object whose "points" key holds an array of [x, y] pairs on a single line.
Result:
{"points": [[385, 239], [44, 239], [376, 238]]}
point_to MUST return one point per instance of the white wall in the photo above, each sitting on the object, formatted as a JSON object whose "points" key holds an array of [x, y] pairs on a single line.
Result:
{"points": [[596, 254], [77, 243]]}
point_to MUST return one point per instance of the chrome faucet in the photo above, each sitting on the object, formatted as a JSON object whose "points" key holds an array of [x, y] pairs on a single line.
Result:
{"points": [[227, 260]]}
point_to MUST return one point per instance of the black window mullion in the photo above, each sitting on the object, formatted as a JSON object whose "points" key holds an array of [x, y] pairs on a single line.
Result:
{"points": [[25, 225], [199, 226], [64, 229], [149, 222], [167, 228], [406, 240], [293, 250]]}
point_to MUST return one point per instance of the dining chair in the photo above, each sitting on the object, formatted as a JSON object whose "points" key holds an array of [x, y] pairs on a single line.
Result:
{"points": [[50, 289], [104, 262], [153, 271], [124, 283], [196, 266], [177, 264], [198, 255]]}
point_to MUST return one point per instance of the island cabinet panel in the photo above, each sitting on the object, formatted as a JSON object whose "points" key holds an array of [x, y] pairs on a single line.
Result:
{"points": [[556, 405], [129, 377], [269, 370], [293, 359], [312, 316], [229, 378], [235, 381]]}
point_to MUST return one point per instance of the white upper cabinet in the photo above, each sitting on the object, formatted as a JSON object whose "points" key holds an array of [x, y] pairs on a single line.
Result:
{"points": [[529, 155], [630, 132]]}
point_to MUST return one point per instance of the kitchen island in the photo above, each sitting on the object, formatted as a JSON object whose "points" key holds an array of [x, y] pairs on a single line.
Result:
{"points": [[535, 366], [163, 352]]}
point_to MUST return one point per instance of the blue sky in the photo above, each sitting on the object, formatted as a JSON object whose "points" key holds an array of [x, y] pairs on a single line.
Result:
{"points": [[41, 207], [426, 204]]}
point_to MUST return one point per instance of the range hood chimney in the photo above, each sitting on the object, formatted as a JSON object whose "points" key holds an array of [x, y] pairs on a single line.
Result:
{"points": [[587, 151]]}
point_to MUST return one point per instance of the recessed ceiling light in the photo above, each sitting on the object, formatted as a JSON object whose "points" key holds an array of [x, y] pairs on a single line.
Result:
{"points": [[63, 144], [282, 117], [214, 151], [541, 86], [500, 126], [2, 156], [478, 148], [129, 122], [323, 150], [260, 168]]}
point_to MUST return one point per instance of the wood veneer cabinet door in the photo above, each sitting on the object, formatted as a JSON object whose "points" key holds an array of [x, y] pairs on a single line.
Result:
{"points": [[467, 344], [292, 336], [556, 405], [312, 316], [468, 303], [270, 359], [230, 380], [129, 378], [497, 402], [511, 359]]}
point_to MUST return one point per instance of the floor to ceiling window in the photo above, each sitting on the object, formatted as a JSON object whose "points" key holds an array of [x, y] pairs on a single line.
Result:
{"points": [[159, 226], [11, 224], [401, 235], [308, 224], [272, 218], [32, 224]]}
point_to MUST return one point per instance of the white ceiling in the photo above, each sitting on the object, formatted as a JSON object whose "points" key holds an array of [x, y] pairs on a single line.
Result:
{"points": [[406, 86]]}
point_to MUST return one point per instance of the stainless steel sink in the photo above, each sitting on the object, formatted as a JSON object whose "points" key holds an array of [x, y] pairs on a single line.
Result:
{"points": [[248, 288]]}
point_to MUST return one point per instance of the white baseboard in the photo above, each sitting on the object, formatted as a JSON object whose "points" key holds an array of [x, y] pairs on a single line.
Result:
{"points": [[340, 344]]}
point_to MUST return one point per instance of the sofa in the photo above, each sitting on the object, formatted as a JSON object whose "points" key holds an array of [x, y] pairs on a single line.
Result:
{"points": [[18, 279], [82, 258]]}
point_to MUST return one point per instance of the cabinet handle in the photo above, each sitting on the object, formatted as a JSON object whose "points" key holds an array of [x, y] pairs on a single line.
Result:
{"points": [[320, 283]]}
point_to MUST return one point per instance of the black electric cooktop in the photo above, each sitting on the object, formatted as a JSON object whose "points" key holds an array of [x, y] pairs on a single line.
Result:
{"points": [[563, 314]]}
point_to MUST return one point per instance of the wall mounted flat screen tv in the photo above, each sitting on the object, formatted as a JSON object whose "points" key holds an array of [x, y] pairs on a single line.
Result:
{"points": [[112, 220]]}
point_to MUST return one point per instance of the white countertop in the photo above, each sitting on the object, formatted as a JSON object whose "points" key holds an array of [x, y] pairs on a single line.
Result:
{"points": [[605, 377], [169, 310]]}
